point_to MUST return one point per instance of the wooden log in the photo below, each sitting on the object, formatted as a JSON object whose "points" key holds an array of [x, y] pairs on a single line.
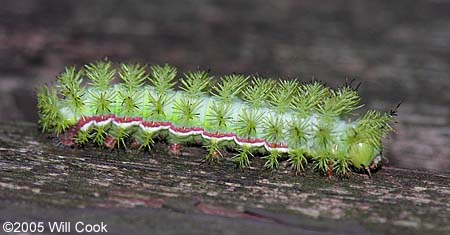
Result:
{"points": [[137, 192]]}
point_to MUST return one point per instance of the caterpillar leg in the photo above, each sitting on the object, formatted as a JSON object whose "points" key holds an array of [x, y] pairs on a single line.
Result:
{"points": [[330, 169], [135, 144], [368, 172], [68, 138], [109, 142], [175, 149], [176, 143]]}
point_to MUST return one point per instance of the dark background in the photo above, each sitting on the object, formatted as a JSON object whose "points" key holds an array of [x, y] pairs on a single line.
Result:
{"points": [[399, 50]]}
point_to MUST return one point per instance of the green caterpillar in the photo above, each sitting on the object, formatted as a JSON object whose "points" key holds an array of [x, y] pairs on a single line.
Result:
{"points": [[281, 120]]}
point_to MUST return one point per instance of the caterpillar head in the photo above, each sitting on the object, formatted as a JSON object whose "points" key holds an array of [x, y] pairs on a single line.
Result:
{"points": [[365, 156]]}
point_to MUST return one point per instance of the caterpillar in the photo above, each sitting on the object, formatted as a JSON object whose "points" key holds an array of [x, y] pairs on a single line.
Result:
{"points": [[282, 120]]}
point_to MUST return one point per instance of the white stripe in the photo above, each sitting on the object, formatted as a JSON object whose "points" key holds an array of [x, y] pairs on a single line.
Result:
{"points": [[234, 138]]}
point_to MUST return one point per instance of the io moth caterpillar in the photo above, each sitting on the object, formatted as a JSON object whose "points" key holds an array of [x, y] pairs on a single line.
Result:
{"points": [[280, 120]]}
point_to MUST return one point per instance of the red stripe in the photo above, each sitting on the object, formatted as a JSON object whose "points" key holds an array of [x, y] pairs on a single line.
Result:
{"points": [[151, 124]]}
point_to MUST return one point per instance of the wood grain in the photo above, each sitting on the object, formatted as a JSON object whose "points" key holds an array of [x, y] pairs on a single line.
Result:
{"points": [[136, 192]]}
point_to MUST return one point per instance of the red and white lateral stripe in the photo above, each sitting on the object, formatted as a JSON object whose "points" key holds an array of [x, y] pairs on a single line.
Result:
{"points": [[86, 122]]}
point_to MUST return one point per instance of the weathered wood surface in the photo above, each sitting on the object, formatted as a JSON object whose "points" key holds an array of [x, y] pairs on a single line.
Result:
{"points": [[399, 50], [136, 192]]}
